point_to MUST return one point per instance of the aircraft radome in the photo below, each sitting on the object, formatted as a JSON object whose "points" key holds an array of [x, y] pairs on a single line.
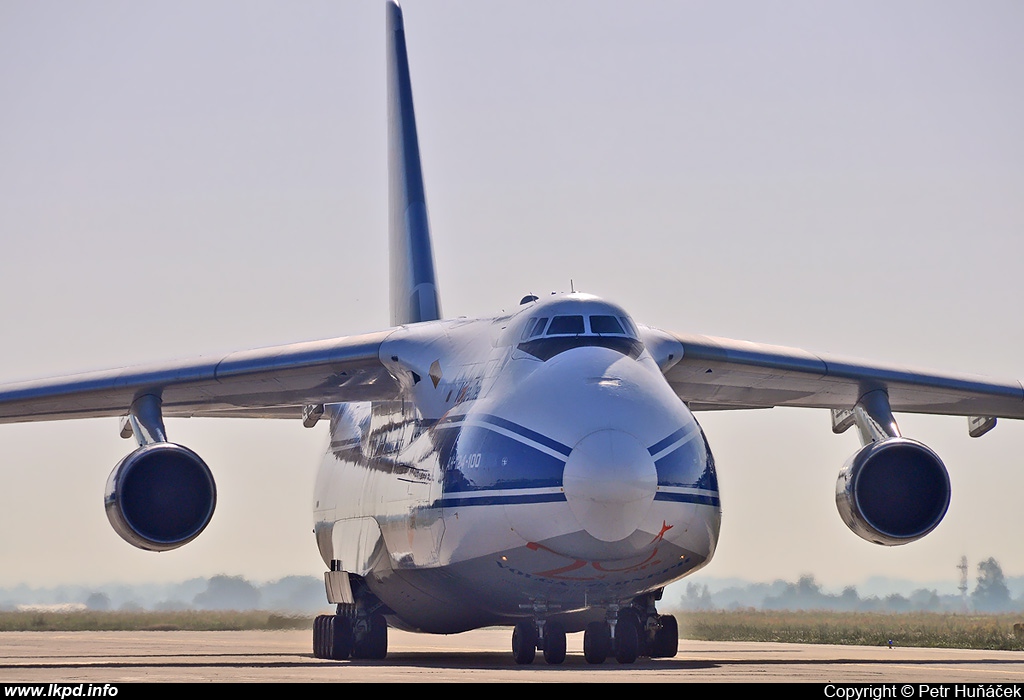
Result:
{"points": [[540, 469]]}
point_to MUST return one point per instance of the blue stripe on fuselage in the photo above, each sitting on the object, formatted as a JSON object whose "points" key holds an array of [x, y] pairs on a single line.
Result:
{"points": [[508, 425], [705, 499], [489, 460], [662, 444], [526, 433], [497, 454], [500, 499], [690, 464]]}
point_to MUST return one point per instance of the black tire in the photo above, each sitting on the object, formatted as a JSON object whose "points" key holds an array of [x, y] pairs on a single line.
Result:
{"points": [[318, 637], [554, 643], [524, 643], [373, 642], [666, 639], [377, 639], [597, 642], [340, 638], [327, 637], [627, 637]]}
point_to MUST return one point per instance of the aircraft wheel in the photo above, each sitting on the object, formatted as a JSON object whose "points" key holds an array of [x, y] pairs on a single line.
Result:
{"points": [[627, 637], [524, 642], [554, 643], [378, 637], [597, 642], [666, 639], [373, 642], [340, 638], [319, 645]]}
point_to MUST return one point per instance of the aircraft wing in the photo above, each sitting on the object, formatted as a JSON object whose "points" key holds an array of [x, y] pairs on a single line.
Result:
{"points": [[719, 373], [270, 382]]}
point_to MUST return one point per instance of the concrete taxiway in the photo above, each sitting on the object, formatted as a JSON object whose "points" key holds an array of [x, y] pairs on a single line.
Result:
{"points": [[481, 655]]}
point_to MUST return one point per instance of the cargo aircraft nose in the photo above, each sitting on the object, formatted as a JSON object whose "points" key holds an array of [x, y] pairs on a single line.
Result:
{"points": [[609, 482]]}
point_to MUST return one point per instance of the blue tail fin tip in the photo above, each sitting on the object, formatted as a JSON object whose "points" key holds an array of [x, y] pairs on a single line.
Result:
{"points": [[414, 295]]}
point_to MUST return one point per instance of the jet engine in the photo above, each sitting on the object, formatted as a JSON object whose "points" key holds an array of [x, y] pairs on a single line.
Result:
{"points": [[893, 491], [160, 497]]}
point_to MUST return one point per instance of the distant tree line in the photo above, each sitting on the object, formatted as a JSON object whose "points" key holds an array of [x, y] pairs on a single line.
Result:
{"points": [[292, 594], [305, 594], [991, 594]]}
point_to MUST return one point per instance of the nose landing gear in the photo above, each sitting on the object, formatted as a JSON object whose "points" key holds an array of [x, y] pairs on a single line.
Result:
{"points": [[531, 635], [597, 642], [553, 642], [622, 637], [524, 642]]}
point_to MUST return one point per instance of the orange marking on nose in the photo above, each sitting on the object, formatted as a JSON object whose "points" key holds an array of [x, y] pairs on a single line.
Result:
{"points": [[665, 527]]}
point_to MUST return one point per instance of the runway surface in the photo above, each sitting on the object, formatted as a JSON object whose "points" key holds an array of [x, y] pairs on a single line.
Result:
{"points": [[482, 655]]}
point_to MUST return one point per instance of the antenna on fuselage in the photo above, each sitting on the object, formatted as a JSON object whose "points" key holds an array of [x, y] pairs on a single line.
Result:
{"points": [[414, 295]]}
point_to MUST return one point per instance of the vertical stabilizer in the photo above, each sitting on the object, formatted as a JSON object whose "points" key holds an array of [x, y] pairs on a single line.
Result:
{"points": [[413, 283]]}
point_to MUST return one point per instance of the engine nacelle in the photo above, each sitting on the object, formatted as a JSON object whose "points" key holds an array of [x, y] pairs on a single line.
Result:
{"points": [[160, 497], [893, 491]]}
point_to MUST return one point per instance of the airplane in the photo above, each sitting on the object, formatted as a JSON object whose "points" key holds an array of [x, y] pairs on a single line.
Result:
{"points": [[545, 475]]}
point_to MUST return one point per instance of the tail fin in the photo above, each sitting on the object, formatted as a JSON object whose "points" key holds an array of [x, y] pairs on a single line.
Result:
{"points": [[414, 294]]}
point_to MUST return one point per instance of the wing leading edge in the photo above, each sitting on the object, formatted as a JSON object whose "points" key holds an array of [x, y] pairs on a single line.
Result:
{"points": [[719, 373], [269, 382]]}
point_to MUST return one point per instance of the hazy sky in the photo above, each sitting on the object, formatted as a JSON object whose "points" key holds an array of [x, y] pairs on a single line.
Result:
{"points": [[187, 178]]}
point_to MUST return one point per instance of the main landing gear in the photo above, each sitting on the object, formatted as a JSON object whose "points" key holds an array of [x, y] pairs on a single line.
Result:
{"points": [[631, 634], [350, 634], [628, 633]]}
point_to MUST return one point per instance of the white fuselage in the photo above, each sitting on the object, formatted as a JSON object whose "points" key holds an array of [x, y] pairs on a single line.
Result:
{"points": [[530, 465]]}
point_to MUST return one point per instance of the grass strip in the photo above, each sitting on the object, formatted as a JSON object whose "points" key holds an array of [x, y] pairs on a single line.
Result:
{"points": [[940, 630], [193, 620]]}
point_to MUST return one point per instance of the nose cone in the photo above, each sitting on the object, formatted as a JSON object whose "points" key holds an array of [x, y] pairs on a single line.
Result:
{"points": [[609, 483]]}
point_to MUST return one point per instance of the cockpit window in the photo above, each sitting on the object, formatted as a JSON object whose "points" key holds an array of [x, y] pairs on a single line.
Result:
{"points": [[544, 340], [534, 327], [566, 325], [606, 324]]}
